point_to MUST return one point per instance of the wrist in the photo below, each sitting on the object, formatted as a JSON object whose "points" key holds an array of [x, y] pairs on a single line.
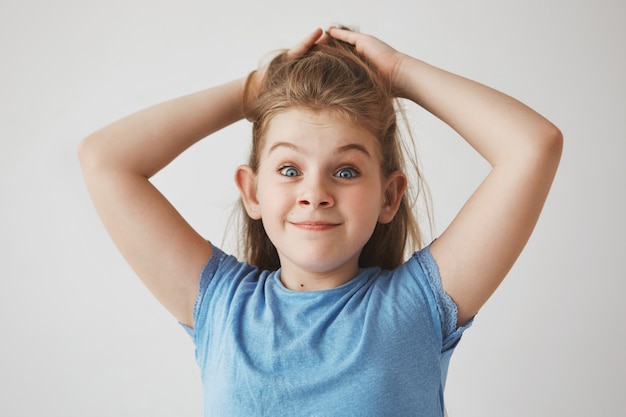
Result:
{"points": [[401, 76], [250, 91], [415, 78]]}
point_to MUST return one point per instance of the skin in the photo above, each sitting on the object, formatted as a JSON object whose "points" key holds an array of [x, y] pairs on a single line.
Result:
{"points": [[320, 192], [474, 253], [479, 247]]}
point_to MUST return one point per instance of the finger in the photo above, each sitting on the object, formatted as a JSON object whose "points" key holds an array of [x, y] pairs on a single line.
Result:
{"points": [[305, 44], [323, 40], [345, 35]]}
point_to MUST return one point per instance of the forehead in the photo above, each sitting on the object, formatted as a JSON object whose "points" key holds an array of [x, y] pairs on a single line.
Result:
{"points": [[305, 127]]}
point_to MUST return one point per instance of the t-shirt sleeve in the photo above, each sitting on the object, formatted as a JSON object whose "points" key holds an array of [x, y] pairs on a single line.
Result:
{"points": [[205, 276], [219, 280], [446, 307]]}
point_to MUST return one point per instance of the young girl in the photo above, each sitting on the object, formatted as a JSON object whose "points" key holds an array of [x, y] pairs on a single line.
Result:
{"points": [[326, 317]]}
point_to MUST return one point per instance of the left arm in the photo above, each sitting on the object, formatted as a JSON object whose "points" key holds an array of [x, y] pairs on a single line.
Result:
{"points": [[481, 244]]}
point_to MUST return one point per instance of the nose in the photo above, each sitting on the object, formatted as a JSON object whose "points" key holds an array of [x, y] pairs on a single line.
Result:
{"points": [[316, 193]]}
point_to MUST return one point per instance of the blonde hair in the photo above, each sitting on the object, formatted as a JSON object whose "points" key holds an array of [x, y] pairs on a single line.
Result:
{"points": [[332, 76]]}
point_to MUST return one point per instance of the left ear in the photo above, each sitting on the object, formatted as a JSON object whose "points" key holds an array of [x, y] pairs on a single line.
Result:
{"points": [[395, 186], [245, 178]]}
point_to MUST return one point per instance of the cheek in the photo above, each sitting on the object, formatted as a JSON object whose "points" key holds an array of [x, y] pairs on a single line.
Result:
{"points": [[365, 204], [273, 198]]}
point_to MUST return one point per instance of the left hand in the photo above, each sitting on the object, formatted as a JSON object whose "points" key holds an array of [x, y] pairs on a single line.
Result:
{"points": [[384, 57]]}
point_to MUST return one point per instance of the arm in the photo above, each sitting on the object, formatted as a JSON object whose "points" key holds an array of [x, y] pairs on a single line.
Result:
{"points": [[117, 162], [481, 244]]}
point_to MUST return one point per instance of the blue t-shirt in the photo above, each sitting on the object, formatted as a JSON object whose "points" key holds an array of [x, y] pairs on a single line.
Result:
{"points": [[378, 345]]}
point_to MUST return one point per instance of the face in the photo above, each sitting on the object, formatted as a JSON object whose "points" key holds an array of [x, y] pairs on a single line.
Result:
{"points": [[319, 191]]}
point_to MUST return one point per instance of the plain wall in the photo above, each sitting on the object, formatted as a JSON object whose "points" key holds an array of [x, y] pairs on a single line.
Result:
{"points": [[81, 336]]}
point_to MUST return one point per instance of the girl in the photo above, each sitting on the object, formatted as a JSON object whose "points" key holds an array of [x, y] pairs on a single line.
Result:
{"points": [[326, 317]]}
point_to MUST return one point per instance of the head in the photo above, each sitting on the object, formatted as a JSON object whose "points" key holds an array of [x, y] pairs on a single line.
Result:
{"points": [[332, 79]]}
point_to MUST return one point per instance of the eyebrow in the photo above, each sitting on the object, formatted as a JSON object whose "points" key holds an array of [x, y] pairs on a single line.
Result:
{"points": [[345, 148]]}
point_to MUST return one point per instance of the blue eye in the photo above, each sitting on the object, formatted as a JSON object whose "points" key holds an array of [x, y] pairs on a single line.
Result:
{"points": [[347, 173], [289, 171]]}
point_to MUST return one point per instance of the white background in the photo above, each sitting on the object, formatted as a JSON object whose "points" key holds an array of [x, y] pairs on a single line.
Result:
{"points": [[81, 336]]}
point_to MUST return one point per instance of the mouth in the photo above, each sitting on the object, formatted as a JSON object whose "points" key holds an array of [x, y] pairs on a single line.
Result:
{"points": [[315, 225]]}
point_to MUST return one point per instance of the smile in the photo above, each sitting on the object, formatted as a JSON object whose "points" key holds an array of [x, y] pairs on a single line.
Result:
{"points": [[314, 225]]}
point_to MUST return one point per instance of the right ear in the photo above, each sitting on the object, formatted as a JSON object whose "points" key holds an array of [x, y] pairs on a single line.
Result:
{"points": [[245, 178]]}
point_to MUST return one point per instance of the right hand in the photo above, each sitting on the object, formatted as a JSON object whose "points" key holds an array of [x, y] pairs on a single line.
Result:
{"points": [[387, 59], [256, 77]]}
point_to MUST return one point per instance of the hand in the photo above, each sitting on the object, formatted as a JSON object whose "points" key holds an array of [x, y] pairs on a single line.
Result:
{"points": [[255, 79], [384, 57], [305, 44]]}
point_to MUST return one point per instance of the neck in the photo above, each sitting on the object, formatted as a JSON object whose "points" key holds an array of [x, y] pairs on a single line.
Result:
{"points": [[299, 279]]}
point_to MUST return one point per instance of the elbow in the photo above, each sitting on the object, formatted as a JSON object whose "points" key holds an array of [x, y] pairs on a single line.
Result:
{"points": [[552, 144], [86, 152], [82, 150], [539, 151], [92, 158], [91, 152]]}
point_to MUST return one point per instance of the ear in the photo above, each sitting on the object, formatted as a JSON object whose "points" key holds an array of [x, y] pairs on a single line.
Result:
{"points": [[245, 178], [395, 186]]}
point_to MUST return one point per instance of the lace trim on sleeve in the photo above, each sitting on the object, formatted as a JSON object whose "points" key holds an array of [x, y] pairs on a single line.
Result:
{"points": [[206, 274], [447, 308], [205, 277]]}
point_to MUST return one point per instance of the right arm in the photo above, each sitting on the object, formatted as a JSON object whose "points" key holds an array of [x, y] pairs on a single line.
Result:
{"points": [[117, 162]]}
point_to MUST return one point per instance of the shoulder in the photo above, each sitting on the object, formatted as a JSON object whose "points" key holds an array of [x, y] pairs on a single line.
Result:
{"points": [[224, 270], [420, 268], [222, 279], [423, 270]]}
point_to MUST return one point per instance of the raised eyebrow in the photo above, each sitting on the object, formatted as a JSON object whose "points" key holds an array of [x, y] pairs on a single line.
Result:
{"points": [[345, 148], [285, 145], [355, 146]]}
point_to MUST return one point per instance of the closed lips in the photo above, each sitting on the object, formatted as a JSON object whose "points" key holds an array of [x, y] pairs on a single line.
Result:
{"points": [[315, 225]]}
